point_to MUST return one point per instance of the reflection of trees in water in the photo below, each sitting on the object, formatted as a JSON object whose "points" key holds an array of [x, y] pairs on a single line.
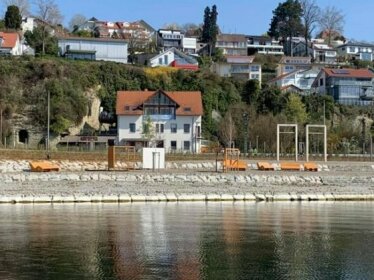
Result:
{"points": [[188, 241]]}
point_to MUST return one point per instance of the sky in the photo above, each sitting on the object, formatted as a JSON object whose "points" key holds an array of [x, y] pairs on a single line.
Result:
{"points": [[251, 17]]}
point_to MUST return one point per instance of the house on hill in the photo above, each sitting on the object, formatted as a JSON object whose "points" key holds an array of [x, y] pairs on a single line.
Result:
{"points": [[356, 51], [93, 49], [175, 119], [299, 81], [346, 86], [241, 67], [320, 52], [169, 58], [10, 44]]}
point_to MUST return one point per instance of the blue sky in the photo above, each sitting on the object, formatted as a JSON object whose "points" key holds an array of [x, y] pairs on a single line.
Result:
{"points": [[235, 16]]}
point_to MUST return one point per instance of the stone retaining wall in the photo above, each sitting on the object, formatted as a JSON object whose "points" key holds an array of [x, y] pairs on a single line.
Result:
{"points": [[172, 197], [149, 177]]}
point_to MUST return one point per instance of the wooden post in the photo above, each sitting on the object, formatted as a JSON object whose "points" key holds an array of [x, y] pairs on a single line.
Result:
{"points": [[111, 157]]}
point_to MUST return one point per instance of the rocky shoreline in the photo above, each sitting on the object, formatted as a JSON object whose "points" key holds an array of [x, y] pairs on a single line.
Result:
{"points": [[195, 181]]}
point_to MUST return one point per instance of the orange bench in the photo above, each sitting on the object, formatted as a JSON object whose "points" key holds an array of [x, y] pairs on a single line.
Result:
{"points": [[234, 164], [290, 166], [263, 165], [43, 166], [310, 166]]}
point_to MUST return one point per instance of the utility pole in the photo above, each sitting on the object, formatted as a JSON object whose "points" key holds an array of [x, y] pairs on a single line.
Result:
{"points": [[48, 120], [245, 119], [1, 125]]}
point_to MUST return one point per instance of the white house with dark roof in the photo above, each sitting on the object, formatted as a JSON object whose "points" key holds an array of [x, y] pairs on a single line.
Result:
{"points": [[173, 58], [175, 119], [289, 64], [296, 81], [320, 52], [356, 50], [93, 49], [263, 45]]}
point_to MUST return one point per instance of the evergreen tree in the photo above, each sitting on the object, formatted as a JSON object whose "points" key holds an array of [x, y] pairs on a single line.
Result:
{"points": [[206, 26], [13, 18], [210, 28], [286, 22], [213, 28]]}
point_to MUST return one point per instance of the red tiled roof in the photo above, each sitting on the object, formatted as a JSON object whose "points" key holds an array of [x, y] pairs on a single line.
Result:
{"points": [[185, 99], [9, 40], [349, 73]]}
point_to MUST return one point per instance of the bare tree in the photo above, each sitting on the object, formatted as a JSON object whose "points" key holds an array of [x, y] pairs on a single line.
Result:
{"points": [[23, 6], [227, 130], [76, 21], [49, 12], [331, 22], [172, 26], [310, 17]]}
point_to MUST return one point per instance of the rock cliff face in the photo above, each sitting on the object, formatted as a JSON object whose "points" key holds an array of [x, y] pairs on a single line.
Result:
{"points": [[92, 118], [26, 135]]}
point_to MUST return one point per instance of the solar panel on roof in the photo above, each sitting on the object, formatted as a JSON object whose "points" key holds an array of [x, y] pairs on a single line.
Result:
{"points": [[340, 71]]}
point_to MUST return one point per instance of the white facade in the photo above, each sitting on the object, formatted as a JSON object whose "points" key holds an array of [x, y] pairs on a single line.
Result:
{"points": [[28, 24], [359, 51], [302, 79], [240, 67], [5, 49], [189, 45], [163, 59], [183, 140], [107, 50]]}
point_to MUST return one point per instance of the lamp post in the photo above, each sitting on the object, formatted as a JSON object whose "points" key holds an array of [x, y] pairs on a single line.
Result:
{"points": [[245, 120]]}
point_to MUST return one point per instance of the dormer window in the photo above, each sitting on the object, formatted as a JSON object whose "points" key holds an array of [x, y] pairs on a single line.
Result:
{"points": [[187, 109]]}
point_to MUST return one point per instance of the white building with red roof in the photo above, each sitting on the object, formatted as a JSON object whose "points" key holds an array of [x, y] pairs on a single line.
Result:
{"points": [[10, 43], [175, 118], [346, 86]]}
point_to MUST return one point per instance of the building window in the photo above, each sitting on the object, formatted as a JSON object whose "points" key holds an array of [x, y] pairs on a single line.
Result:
{"points": [[160, 60], [186, 128], [166, 60], [352, 49], [173, 145], [255, 68], [159, 128], [198, 131], [173, 128], [320, 82], [186, 145], [255, 76], [132, 127]]}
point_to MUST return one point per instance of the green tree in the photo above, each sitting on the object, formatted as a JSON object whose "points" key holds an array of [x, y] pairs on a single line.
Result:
{"points": [[286, 22], [206, 26], [251, 92], [148, 131], [13, 18], [41, 40], [295, 109], [210, 28], [271, 99]]}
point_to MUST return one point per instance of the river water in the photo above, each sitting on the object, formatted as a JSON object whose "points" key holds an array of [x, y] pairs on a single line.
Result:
{"points": [[290, 240]]}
